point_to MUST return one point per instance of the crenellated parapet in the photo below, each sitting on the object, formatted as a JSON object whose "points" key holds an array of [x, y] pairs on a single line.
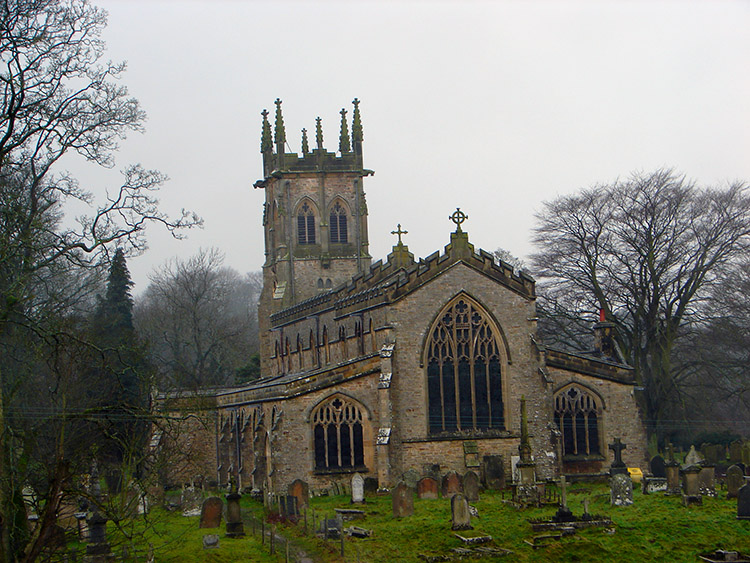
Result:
{"points": [[389, 281], [277, 161]]}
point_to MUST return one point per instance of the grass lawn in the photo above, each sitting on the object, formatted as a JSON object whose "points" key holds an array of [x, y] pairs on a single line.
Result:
{"points": [[655, 528]]}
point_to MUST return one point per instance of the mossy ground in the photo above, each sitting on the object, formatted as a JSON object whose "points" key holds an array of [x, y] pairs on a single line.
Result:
{"points": [[656, 528]]}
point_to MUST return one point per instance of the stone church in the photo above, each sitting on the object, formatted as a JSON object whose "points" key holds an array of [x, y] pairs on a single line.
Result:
{"points": [[405, 363]]}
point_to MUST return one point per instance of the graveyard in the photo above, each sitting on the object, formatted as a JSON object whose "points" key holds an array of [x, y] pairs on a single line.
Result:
{"points": [[431, 521]]}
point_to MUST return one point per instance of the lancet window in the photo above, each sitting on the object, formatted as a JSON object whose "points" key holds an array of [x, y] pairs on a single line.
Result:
{"points": [[306, 225], [577, 414], [337, 224], [464, 371], [338, 434]]}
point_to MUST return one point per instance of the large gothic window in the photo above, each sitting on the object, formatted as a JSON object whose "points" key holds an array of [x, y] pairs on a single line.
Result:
{"points": [[464, 371], [305, 225], [337, 430], [338, 224], [577, 414]]}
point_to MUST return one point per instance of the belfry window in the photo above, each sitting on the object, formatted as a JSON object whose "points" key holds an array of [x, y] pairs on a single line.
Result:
{"points": [[306, 225], [338, 224], [337, 430], [464, 371], [577, 414]]}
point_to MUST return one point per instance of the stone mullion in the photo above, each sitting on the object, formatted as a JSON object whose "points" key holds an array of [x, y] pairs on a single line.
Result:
{"points": [[325, 442], [351, 443], [338, 444], [472, 357], [456, 388], [586, 431]]}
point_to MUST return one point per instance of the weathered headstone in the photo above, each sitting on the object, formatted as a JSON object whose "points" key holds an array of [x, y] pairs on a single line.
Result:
{"points": [[494, 472], [431, 470], [564, 514], [451, 484], [471, 486], [707, 480], [735, 451], [190, 501], [743, 502], [690, 487], [460, 515], [735, 479], [211, 513], [746, 453], [371, 485], [621, 490], [411, 477], [427, 488], [618, 466], [287, 506], [301, 490], [210, 541], [658, 466], [358, 489], [692, 458], [402, 499]]}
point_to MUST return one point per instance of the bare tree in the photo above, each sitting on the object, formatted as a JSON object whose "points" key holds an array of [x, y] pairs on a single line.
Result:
{"points": [[57, 98], [200, 320], [648, 251]]}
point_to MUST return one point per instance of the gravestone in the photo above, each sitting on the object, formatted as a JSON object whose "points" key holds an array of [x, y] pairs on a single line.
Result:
{"points": [[658, 466], [746, 453], [652, 485], [618, 466], [211, 513], [427, 488], [451, 484], [707, 480], [301, 491], [735, 479], [411, 477], [743, 502], [371, 485], [494, 472], [287, 506], [431, 470], [692, 458], [564, 514], [690, 486], [460, 515], [621, 490], [471, 486], [358, 489], [710, 453], [190, 501], [402, 499], [735, 451], [210, 541]]}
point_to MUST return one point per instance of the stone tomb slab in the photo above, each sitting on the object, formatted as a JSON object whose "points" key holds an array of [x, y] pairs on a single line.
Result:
{"points": [[427, 488], [211, 512]]}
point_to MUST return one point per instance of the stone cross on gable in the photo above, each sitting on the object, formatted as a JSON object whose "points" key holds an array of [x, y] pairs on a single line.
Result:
{"points": [[399, 232], [458, 217], [617, 448]]}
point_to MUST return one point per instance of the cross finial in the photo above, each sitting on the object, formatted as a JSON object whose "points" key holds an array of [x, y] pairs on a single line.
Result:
{"points": [[458, 217], [399, 232]]}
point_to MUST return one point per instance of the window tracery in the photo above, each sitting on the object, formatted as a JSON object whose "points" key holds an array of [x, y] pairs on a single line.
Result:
{"points": [[577, 415], [338, 435], [306, 225], [464, 371], [337, 224]]}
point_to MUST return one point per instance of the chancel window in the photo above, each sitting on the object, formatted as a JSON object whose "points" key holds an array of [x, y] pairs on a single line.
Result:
{"points": [[337, 429], [464, 371], [577, 415], [338, 224], [306, 225]]}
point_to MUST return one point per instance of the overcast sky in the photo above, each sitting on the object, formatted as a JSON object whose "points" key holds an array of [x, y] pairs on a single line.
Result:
{"points": [[493, 107]]}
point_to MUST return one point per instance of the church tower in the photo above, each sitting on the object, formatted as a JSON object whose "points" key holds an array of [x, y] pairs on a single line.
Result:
{"points": [[314, 216]]}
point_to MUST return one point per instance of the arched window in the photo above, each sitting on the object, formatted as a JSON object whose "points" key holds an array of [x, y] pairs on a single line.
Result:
{"points": [[338, 435], [464, 371], [305, 225], [338, 224], [577, 414]]}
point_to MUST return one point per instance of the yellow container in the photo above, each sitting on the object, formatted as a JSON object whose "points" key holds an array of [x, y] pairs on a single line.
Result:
{"points": [[636, 474]]}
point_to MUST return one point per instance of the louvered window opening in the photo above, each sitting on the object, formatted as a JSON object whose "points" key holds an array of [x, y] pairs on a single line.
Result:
{"points": [[306, 225], [338, 225]]}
